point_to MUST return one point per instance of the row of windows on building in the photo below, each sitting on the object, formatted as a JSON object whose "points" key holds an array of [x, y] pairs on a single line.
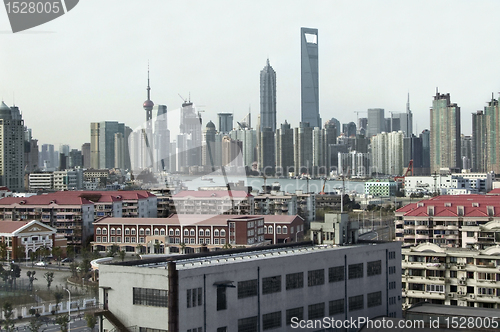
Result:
{"points": [[171, 240], [314, 311], [161, 232]]}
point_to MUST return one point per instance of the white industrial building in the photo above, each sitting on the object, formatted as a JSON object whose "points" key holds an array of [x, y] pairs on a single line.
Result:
{"points": [[255, 289]]}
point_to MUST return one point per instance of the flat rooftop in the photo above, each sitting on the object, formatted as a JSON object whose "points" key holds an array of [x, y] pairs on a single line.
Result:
{"points": [[231, 256]]}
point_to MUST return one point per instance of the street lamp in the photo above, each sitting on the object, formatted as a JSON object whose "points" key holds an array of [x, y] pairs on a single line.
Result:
{"points": [[69, 310]]}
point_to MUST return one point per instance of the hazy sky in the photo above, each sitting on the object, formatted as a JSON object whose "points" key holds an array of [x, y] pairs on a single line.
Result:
{"points": [[90, 65]]}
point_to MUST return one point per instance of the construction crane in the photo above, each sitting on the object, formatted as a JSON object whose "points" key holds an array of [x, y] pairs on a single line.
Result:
{"points": [[408, 170], [322, 192]]}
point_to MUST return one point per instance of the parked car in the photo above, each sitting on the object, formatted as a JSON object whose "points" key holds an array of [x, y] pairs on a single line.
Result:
{"points": [[67, 260], [41, 263]]}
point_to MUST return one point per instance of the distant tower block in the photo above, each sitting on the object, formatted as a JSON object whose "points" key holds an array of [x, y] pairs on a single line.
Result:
{"points": [[309, 91]]}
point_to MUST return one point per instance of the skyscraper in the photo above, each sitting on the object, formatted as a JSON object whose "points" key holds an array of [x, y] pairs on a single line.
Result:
{"points": [[376, 122], [445, 133], [161, 139], [284, 149], [479, 141], [309, 92], [268, 97], [11, 148], [225, 122]]}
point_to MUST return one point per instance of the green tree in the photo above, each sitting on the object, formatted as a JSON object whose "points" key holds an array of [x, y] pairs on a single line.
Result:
{"points": [[91, 321], [20, 252], [32, 257], [35, 324], [113, 250], [31, 278], [183, 248], [122, 253], [74, 269], [157, 246], [85, 266], [57, 253], [139, 248], [49, 276], [62, 321], [70, 250], [58, 296], [8, 313]]}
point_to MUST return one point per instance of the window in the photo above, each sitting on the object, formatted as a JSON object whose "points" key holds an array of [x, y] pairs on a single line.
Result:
{"points": [[112, 231], [295, 280], [132, 232], [127, 231], [111, 239], [177, 232], [141, 231], [133, 239], [147, 329], [104, 231], [186, 232], [221, 298], [207, 232], [336, 273], [374, 299], [98, 231], [278, 230], [356, 303], [222, 241], [285, 230], [150, 297], [223, 232], [148, 232], [356, 271], [222, 329], [118, 232], [193, 232], [194, 297], [171, 232], [295, 312], [374, 268], [392, 254], [247, 288], [315, 311], [97, 239], [200, 232], [162, 232], [216, 241], [392, 269], [216, 232], [248, 324], [127, 239], [336, 307], [104, 239], [270, 230], [271, 320], [315, 277], [157, 232], [271, 285]]}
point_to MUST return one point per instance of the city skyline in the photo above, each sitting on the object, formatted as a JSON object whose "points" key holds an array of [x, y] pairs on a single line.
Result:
{"points": [[370, 57]]}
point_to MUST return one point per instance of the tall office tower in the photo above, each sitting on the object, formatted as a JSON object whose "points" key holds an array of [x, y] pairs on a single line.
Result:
{"points": [[225, 122], [376, 122], [329, 137], [209, 147], [266, 151], [466, 151], [284, 150], [387, 153], [412, 151], [479, 135], [75, 158], [94, 145], [309, 77], [11, 148], [492, 156], [248, 138], [128, 132], [231, 152], [349, 129], [302, 140], [425, 137], [105, 142], [445, 133], [362, 124], [64, 149], [191, 126], [161, 139], [119, 141], [47, 156], [336, 123], [135, 140], [318, 161], [30, 152], [268, 97], [86, 155], [406, 120]]}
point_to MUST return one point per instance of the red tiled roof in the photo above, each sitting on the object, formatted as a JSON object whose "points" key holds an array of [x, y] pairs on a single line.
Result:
{"points": [[209, 194], [45, 199], [9, 226], [447, 206]]}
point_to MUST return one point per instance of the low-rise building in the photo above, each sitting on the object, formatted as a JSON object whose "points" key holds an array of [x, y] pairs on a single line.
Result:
{"points": [[451, 276], [214, 202], [381, 188], [267, 288], [188, 233]]}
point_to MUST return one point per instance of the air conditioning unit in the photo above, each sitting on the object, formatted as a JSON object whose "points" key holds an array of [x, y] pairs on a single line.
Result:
{"points": [[471, 296], [452, 295]]}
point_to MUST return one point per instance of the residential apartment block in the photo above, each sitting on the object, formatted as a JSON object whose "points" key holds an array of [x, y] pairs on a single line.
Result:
{"points": [[214, 202], [266, 288], [451, 276]]}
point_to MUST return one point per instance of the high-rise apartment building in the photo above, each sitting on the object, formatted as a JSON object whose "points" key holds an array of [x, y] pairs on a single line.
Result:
{"points": [[86, 155], [479, 141], [492, 154], [248, 137], [268, 97], [445, 133], [387, 153], [94, 145], [11, 148], [376, 122], [309, 92], [303, 151], [209, 147], [225, 122], [266, 151]]}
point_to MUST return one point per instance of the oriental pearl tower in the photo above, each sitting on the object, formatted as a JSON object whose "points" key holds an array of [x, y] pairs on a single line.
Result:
{"points": [[147, 133], [148, 105]]}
